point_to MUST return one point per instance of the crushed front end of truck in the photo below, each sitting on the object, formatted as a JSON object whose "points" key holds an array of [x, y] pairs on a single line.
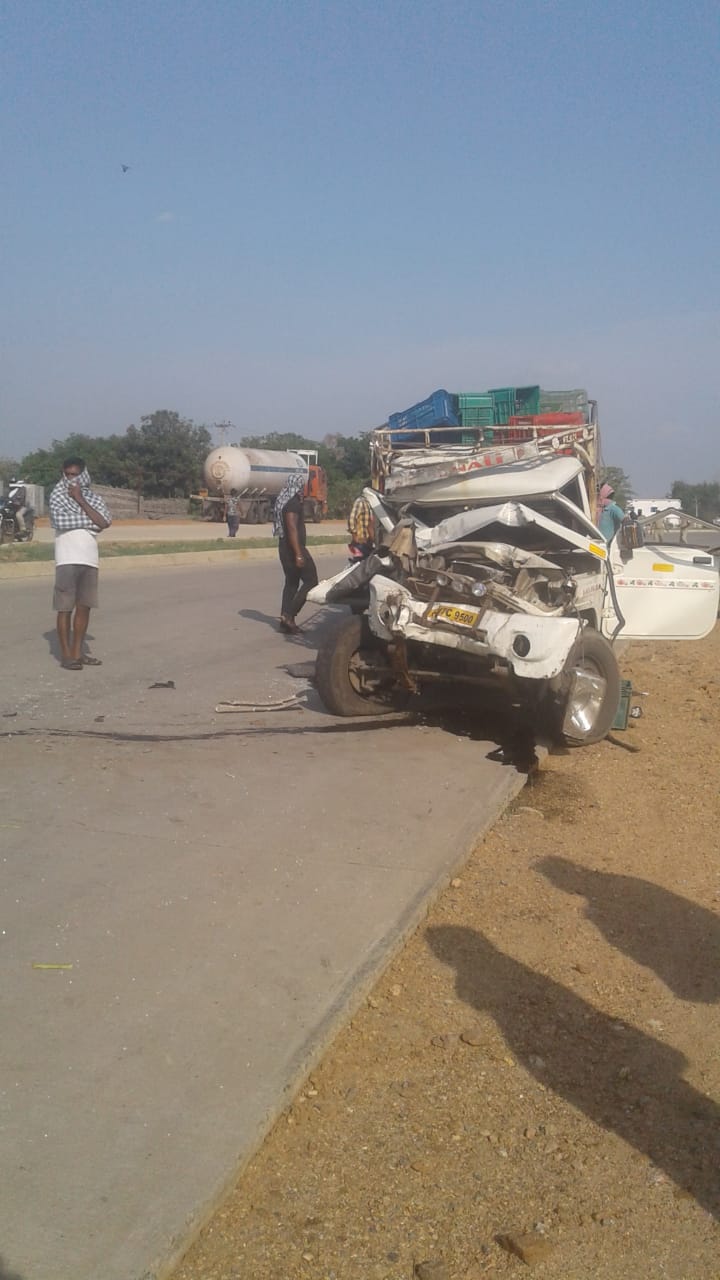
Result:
{"points": [[490, 571]]}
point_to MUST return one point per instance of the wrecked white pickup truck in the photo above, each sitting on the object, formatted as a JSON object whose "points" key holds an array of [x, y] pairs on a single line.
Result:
{"points": [[491, 571]]}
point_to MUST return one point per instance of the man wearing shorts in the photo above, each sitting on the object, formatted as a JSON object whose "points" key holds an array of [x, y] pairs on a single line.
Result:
{"points": [[77, 515]]}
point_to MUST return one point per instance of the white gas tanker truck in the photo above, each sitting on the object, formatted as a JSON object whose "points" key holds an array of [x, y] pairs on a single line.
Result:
{"points": [[258, 475]]}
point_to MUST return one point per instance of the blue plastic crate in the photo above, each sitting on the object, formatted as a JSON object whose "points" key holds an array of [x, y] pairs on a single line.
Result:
{"points": [[439, 410]]}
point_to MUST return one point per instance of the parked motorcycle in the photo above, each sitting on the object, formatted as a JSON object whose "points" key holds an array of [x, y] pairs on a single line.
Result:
{"points": [[9, 530]]}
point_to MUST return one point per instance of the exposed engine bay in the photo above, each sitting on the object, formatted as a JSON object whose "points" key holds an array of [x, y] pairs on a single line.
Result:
{"points": [[489, 568]]}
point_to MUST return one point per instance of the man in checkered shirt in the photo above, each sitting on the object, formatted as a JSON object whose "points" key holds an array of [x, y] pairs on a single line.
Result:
{"points": [[77, 516]]}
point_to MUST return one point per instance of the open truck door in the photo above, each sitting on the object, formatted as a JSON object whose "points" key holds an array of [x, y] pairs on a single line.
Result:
{"points": [[663, 593]]}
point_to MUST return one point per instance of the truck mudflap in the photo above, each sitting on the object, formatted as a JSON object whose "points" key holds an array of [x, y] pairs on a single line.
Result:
{"points": [[537, 648]]}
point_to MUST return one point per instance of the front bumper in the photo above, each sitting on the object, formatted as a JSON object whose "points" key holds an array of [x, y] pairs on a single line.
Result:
{"points": [[548, 641]]}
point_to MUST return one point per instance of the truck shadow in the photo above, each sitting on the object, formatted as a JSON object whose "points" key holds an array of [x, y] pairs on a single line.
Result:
{"points": [[468, 727], [486, 717], [515, 734], [678, 939], [627, 1082]]}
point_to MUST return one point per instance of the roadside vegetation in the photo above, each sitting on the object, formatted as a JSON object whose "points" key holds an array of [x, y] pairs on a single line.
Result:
{"points": [[164, 456], [22, 552]]}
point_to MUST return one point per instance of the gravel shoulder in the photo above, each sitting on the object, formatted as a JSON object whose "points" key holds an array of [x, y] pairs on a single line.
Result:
{"points": [[537, 1072]]}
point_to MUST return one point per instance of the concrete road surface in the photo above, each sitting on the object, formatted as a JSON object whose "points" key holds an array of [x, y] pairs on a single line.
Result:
{"points": [[212, 894], [191, 531]]}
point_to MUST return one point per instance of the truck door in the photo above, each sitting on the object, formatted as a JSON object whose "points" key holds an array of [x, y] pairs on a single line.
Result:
{"points": [[664, 593]]}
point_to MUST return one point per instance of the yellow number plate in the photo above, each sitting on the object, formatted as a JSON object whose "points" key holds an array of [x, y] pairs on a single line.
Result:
{"points": [[449, 613]]}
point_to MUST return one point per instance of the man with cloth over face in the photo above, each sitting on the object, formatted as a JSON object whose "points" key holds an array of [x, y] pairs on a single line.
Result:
{"points": [[297, 563], [77, 516]]}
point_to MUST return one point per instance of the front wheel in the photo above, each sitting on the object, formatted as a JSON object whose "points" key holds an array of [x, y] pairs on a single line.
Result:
{"points": [[352, 671], [590, 691]]}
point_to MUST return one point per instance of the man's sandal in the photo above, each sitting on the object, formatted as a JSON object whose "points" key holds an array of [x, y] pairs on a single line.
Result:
{"points": [[71, 664], [87, 661]]}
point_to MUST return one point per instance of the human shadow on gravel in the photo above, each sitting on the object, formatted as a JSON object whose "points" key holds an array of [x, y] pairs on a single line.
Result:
{"points": [[54, 647], [676, 938], [313, 626], [624, 1080], [8, 1275]]}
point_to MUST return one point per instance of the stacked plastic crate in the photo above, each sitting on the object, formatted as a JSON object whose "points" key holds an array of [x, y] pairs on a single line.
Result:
{"points": [[508, 402], [409, 427], [499, 414]]}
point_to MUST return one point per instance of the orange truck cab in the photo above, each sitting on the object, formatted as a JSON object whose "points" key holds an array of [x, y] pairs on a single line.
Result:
{"points": [[316, 490]]}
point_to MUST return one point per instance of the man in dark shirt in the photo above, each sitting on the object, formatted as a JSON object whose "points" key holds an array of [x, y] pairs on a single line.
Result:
{"points": [[231, 513], [17, 498], [298, 565]]}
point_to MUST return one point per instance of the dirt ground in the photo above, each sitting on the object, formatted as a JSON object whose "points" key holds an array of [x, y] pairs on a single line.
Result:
{"points": [[541, 1060]]}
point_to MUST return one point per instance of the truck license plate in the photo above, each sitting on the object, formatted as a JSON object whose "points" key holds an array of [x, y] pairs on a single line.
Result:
{"points": [[450, 613]]}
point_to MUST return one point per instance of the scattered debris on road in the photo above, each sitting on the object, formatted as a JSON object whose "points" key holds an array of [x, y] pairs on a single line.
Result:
{"points": [[282, 704]]}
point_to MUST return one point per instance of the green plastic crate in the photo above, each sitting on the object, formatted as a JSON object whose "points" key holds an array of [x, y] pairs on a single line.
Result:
{"points": [[527, 400], [475, 409], [575, 401], [511, 401], [622, 714]]}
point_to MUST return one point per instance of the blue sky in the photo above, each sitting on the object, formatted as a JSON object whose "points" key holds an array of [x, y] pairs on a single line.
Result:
{"points": [[334, 208]]}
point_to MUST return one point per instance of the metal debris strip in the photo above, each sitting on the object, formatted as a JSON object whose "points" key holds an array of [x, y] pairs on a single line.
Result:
{"points": [[284, 704]]}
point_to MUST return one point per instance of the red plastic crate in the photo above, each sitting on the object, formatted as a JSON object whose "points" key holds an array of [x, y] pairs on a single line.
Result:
{"points": [[547, 420]]}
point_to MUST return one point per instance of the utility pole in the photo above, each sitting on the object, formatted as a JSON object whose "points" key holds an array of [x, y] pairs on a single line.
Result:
{"points": [[222, 429]]}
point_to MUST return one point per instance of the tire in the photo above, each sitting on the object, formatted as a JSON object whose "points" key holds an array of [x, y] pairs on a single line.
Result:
{"points": [[585, 712], [7, 533], [334, 670]]}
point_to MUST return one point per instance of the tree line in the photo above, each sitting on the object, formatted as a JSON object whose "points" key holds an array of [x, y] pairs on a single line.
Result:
{"points": [[163, 457], [701, 500]]}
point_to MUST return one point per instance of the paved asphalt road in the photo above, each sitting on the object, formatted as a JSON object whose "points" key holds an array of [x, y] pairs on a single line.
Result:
{"points": [[192, 531], [223, 886]]}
